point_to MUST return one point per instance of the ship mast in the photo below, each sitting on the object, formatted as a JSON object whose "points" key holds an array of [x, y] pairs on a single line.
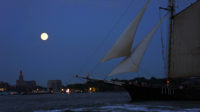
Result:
{"points": [[171, 10]]}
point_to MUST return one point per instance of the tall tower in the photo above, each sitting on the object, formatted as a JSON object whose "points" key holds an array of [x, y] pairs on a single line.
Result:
{"points": [[20, 75]]}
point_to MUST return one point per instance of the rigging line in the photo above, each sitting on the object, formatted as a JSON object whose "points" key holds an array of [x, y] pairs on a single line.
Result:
{"points": [[142, 70], [106, 37], [162, 40], [163, 46]]}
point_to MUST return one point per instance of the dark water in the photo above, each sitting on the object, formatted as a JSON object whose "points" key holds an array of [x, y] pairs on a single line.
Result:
{"points": [[93, 102]]}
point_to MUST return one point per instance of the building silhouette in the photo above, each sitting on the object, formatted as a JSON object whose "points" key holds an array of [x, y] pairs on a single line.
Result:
{"points": [[4, 86], [25, 84], [54, 85]]}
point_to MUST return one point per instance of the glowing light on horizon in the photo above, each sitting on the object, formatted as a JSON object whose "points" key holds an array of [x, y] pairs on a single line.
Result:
{"points": [[92, 89], [67, 91]]}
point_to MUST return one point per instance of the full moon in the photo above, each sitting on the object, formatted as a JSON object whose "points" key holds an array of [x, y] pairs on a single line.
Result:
{"points": [[44, 36]]}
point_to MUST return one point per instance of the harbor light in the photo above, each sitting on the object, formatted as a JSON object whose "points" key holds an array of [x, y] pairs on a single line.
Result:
{"points": [[67, 91], [2, 89], [92, 89], [167, 81]]}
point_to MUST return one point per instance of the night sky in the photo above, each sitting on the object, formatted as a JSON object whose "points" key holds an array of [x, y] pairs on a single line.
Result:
{"points": [[80, 33]]}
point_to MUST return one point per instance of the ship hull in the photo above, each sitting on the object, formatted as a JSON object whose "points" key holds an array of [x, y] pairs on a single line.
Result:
{"points": [[160, 93]]}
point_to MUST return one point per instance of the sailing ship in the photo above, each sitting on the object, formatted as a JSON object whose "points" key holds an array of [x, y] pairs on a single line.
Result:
{"points": [[183, 55]]}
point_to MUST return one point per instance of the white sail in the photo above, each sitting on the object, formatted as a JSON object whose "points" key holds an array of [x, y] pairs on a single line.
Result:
{"points": [[124, 44], [185, 47], [132, 62]]}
